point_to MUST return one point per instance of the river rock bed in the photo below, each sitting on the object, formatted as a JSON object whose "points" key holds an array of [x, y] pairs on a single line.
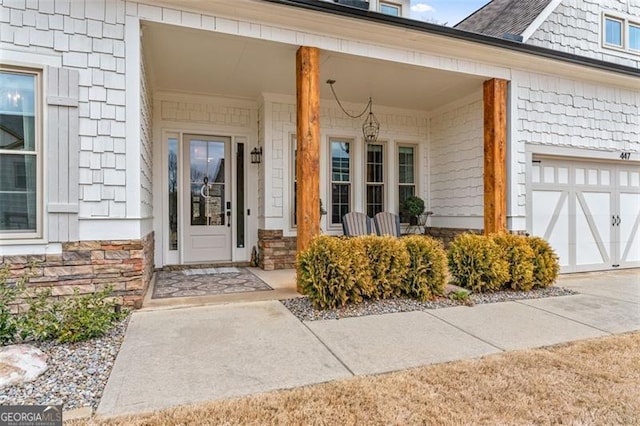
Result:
{"points": [[76, 376], [302, 308]]}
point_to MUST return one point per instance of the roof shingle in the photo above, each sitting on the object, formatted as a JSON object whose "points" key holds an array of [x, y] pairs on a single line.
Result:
{"points": [[500, 17]]}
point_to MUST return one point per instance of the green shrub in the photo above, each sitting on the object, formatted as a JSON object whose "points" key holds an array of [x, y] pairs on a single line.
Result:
{"points": [[387, 263], [42, 320], [8, 322], [88, 316], [426, 275], [328, 272], [517, 251], [546, 265], [69, 320], [476, 263]]}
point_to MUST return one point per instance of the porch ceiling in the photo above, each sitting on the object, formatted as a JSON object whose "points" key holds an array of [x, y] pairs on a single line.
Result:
{"points": [[200, 62]]}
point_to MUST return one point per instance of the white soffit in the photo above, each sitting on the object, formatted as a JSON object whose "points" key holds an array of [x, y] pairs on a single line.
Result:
{"points": [[202, 62]]}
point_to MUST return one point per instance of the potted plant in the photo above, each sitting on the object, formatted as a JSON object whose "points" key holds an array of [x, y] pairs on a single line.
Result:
{"points": [[413, 207]]}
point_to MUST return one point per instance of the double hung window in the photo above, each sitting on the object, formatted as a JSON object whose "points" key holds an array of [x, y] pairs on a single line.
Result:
{"points": [[20, 215]]}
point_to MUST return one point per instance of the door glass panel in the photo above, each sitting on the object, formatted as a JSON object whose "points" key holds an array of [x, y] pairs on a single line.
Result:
{"points": [[207, 182], [173, 194], [240, 195]]}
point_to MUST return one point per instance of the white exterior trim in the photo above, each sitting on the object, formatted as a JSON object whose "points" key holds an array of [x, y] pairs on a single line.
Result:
{"points": [[540, 19], [19, 248], [23, 58], [114, 229], [578, 153], [133, 148]]}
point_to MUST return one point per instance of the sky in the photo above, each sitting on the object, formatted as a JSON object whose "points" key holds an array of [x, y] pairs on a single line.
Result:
{"points": [[444, 12]]}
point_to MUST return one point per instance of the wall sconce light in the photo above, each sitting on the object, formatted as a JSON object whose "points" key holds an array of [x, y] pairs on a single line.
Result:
{"points": [[256, 155], [371, 125]]}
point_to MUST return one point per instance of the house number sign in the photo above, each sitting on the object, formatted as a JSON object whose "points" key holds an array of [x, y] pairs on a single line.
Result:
{"points": [[625, 155]]}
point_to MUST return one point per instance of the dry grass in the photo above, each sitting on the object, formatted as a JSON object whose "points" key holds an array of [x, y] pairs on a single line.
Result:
{"points": [[588, 382]]}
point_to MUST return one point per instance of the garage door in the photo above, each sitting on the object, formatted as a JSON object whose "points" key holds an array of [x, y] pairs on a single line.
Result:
{"points": [[588, 211]]}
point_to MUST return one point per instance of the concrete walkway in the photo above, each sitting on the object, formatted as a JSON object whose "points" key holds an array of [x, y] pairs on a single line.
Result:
{"points": [[196, 354]]}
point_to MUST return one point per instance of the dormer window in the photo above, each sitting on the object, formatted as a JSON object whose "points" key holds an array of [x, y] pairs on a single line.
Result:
{"points": [[390, 8], [621, 33], [613, 31], [634, 37]]}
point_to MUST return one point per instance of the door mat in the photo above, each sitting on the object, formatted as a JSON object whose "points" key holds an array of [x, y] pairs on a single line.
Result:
{"points": [[206, 282]]}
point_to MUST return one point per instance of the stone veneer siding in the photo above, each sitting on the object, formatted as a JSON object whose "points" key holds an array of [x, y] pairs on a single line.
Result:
{"points": [[89, 266], [276, 251], [447, 235]]}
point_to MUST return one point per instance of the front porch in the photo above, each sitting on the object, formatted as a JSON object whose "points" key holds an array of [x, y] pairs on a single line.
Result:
{"points": [[442, 137]]}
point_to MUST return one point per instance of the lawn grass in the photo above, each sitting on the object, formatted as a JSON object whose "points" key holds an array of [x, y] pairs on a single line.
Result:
{"points": [[588, 382]]}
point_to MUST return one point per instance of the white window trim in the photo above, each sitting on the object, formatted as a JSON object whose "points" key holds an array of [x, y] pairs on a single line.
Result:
{"points": [[621, 21], [392, 5], [416, 192], [329, 204], [625, 21], [37, 236], [385, 174], [629, 25]]}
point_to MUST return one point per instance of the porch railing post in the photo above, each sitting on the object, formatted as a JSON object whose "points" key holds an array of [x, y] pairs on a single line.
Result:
{"points": [[495, 156], [308, 144]]}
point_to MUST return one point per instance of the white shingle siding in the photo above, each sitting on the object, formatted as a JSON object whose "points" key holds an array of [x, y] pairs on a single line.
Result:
{"points": [[575, 27], [568, 113], [456, 146], [146, 116], [557, 112]]}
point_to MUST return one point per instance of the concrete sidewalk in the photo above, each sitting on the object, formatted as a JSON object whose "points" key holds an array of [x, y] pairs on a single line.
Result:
{"points": [[190, 355]]}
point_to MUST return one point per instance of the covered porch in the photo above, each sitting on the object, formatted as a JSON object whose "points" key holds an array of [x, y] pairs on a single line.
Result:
{"points": [[442, 137]]}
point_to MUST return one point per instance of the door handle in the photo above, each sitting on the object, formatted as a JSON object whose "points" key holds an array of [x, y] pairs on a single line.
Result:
{"points": [[619, 220], [229, 218], [613, 220]]}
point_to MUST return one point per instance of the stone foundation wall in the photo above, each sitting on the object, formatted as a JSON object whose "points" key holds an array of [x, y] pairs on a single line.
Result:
{"points": [[89, 266], [447, 235], [276, 251]]}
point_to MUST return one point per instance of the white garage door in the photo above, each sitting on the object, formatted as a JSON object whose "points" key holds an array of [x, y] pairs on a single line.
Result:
{"points": [[588, 211]]}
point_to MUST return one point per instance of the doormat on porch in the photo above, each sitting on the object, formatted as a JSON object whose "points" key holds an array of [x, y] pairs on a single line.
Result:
{"points": [[206, 282]]}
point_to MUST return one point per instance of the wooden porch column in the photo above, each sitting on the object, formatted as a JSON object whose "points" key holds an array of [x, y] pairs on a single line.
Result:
{"points": [[308, 144], [495, 156]]}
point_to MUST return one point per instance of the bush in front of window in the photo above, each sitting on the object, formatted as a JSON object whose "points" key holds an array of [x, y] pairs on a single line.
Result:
{"points": [[427, 274], [477, 263], [387, 262]]}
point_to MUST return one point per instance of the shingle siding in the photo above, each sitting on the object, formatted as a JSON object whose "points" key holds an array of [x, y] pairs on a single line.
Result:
{"points": [[575, 27], [500, 17]]}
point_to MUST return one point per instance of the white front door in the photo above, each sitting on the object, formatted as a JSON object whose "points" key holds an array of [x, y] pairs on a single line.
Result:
{"points": [[207, 204], [588, 211]]}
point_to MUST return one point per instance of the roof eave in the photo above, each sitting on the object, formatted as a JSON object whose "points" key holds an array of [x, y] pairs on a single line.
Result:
{"points": [[411, 24]]}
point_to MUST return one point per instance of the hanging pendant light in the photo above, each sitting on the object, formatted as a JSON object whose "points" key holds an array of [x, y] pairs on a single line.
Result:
{"points": [[371, 125]]}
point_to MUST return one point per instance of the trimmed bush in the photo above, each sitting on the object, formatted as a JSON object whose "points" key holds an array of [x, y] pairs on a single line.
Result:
{"points": [[517, 251], [546, 265], [329, 272], [387, 263], [476, 263], [427, 272]]}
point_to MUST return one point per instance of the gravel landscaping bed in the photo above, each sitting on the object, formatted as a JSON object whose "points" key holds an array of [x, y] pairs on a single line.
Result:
{"points": [[76, 376], [302, 308]]}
